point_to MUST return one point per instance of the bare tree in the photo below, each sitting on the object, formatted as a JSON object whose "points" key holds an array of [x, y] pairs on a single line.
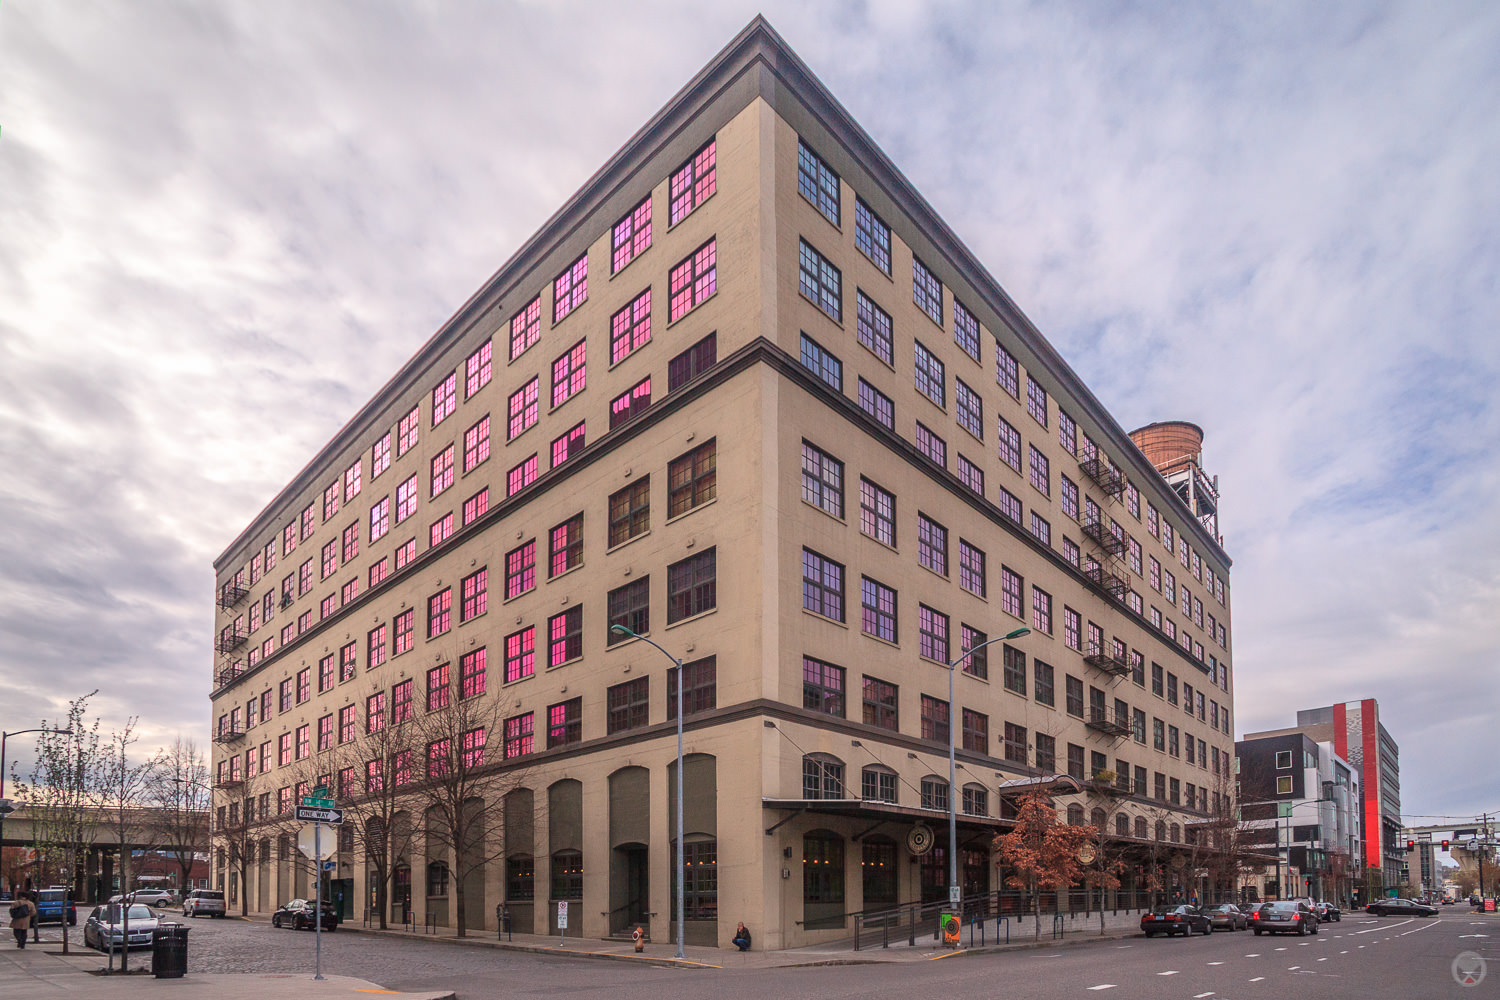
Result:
{"points": [[461, 792], [59, 795], [179, 798], [1043, 851], [121, 795], [241, 824], [364, 773]]}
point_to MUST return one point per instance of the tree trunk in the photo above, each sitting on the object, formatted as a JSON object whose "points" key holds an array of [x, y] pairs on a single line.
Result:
{"points": [[458, 906], [1036, 907]]}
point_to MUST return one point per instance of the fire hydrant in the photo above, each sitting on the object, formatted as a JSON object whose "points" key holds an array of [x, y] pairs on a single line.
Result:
{"points": [[639, 937]]}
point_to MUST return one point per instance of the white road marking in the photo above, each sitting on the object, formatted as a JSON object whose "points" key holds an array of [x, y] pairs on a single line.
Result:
{"points": [[1293, 968], [1215, 963], [1283, 948], [1103, 986], [1344, 952], [1171, 972], [1473, 935], [1254, 955], [1257, 979], [1322, 959], [1200, 996]]}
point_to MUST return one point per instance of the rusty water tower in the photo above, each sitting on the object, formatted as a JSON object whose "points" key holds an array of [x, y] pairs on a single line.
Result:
{"points": [[1175, 447]]}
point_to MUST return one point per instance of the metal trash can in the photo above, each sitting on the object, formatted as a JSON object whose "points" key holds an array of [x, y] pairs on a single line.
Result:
{"points": [[169, 951]]}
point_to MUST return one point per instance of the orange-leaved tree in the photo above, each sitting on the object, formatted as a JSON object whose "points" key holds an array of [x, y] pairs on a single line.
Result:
{"points": [[1042, 850]]}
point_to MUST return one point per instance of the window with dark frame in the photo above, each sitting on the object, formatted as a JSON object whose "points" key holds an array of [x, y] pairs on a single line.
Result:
{"points": [[627, 706]]}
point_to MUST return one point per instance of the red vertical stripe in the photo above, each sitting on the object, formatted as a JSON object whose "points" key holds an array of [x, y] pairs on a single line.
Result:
{"points": [[1371, 770]]}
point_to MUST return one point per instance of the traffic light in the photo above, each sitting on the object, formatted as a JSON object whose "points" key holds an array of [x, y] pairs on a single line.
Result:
{"points": [[1445, 845], [1411, 845]]}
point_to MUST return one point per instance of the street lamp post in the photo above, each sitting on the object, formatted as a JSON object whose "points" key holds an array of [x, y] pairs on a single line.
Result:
{"points": [[5, 805], [681, 847], [954, 894]]}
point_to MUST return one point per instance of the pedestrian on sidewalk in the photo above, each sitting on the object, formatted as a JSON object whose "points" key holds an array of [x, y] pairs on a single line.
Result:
{"points": [[639, 936], [741, 939], [22, 913]]}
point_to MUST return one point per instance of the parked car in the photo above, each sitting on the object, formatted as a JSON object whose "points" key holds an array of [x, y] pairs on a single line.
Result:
{"points": [[1327, 912], [204, 903], [299, 915], [1401, 908], [1171, 920], [53, 904], [1227, 916], [1284, 917], [148, 897], [105, 926]]}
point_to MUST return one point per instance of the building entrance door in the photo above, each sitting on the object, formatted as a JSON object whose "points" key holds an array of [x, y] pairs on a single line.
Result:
{"points": [[631, 881]]}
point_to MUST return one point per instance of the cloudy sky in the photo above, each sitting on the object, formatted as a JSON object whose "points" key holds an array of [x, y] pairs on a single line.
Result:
{"points": [[224, 225]]}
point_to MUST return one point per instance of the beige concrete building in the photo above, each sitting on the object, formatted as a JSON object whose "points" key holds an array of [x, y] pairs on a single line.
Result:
{"points": [[747, 394]]}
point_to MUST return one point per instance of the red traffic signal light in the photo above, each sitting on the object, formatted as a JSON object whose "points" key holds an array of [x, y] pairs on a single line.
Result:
{"points": [[1445, 845], [1411, 845]]}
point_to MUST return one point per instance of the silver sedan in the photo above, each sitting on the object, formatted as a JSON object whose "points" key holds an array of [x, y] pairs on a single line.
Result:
{"points": [[105, 927]]}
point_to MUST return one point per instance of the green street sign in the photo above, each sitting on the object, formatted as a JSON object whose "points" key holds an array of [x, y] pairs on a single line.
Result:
{"points": [[317, 802]]}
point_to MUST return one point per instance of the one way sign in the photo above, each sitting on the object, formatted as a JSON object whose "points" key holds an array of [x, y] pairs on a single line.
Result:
{"points": [[320, 815]]}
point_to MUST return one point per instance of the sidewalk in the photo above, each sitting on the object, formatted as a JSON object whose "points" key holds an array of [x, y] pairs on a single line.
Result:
{"points": [[702, 957], [41, 970]]}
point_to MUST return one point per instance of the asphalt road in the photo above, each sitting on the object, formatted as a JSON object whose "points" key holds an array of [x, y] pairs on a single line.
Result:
{"points": [[1361, 956]]}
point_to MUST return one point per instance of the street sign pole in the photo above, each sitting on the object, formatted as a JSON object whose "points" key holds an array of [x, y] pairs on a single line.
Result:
{"points": [[318, 913]]}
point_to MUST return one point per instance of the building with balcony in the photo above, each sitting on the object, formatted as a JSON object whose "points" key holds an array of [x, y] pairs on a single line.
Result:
{"points": [[745, 394]]}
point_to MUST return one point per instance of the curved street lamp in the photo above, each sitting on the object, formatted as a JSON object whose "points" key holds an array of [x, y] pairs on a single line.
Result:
{"points": [[954, 894], [681, 847]]}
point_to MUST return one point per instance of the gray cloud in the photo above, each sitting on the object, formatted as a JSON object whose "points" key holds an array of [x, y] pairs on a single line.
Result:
{"points": [[223, 226]]}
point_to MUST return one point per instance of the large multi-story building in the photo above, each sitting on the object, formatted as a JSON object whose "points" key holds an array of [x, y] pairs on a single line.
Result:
{"points": [[747, 394], [1299, 801]]}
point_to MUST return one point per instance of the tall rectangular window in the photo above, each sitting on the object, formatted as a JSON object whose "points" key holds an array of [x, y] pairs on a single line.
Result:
{"points": [[822, 585], [1010, 443], [692, 362], [935, 720], [477, 369], [699, 687], [1007, 372], [407, 431], [877, 404], [932, 545], [1041, 675], [522, 408], [817, 182], [439, 612], [976, 733], [565, 546], [931, 380], [441, 530], [380, 519], [822, 480], [931, 445], [932, 633], [977, 662], [969, 409], [630, 606], [1036, 400], [692, 479], [380, 455], [570, 289], [820, 281], [1013, 662], [521, 475], [520, 569], [520, 735], [630, 511], [628, 705], [520, 654], [692, 586], [1010, 592], [406, 499], [965, 330], [1041, 610], [568, 445], [692, 281], [878, 609], [630, 328], [926, 291], [475, 594], [565, 723], [1040, 474], [872, 236], [822, 687], [1067, 432], [630, 404], [375, 647], [444, 398], [873, 328], [442, 470], [570, 372], [880, 704], [477, 443], [565, 636], [525, 327], [877, 512], [971, 575], [822, 363], [691, 184], [401, 702], [631, 236]]}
